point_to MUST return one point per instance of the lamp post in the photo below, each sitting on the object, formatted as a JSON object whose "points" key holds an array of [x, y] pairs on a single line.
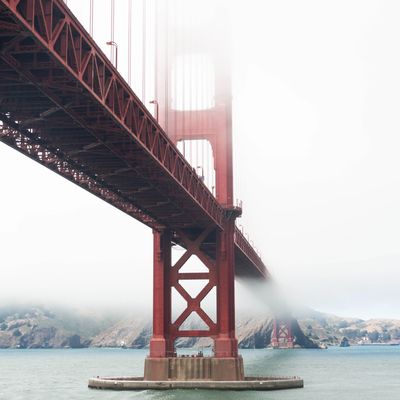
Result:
{"points": [[112, 43], [202, 177], [155, 102]]}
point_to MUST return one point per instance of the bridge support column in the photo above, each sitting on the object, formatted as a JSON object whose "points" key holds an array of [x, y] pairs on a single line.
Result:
{"points": [[161, 344], [156, 366], [225, 344], [230, 364]]}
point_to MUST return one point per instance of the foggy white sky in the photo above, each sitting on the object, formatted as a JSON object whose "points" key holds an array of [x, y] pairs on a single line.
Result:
{"points": [[316, 141]]}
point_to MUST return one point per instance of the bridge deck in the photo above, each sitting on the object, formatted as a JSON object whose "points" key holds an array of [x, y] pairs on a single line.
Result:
{"points": [[66, 106]]}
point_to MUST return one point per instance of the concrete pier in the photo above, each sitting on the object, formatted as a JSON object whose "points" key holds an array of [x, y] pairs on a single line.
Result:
{"points": [[195, 372], [185, 368], [249, 383]]}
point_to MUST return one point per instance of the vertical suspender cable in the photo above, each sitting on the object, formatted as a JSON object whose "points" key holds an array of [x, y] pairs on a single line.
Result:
{"points": [[182, 73], [167, 100], [175, 70], [144, 51], [194, 105], [130, 42], [177, 64], [91, 17], [155, 62], [192, 91], [200, 143], [209, 117], [112, 30], [200, 120], [190, 78], [204, 119]]}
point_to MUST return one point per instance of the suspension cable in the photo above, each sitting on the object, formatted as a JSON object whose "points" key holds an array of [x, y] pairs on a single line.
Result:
{"points": [[144, 22], [182, 42], [112, 30], [167, 100], [91, 17], [130, 42]]}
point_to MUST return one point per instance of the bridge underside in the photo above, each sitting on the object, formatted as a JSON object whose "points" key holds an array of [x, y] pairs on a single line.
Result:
{"points": [[64, 106], [41, 102]]}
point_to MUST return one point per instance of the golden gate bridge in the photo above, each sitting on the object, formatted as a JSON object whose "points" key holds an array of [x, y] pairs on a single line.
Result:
{"points": [[152, 136]]}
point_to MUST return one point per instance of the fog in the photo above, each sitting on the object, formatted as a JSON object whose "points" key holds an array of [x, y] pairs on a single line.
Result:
{"points": [[316, 142]]}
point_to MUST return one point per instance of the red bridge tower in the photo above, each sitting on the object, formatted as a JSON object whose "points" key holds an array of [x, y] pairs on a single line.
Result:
{"points": [[189, 119], [282, 337]]}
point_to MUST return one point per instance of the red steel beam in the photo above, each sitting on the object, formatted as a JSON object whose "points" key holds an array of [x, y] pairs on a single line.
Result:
{"points": [[56, 32], [60, 34], [59, 163]]}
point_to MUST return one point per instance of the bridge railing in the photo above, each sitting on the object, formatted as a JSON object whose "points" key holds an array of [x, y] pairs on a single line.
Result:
{"points": [[249, 252]]}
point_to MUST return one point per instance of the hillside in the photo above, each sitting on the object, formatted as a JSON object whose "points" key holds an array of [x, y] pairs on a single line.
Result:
{"points": [[252, 333], [330, 329], [39, 327]]}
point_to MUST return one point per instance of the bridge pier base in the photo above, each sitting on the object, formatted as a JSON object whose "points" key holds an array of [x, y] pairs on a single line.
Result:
{"points": [[193, 369]]}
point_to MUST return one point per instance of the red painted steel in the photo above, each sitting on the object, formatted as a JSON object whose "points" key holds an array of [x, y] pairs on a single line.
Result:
{"points": [[214, 125], [282, 337], [63, 104], [57, 162], [57, 85], [193, 304], [168, 276], [161, 343], [219, 275], [47, 47], [226, 344]]}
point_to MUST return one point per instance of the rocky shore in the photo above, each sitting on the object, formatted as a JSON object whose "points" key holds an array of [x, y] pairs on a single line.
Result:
{"points": [[37, 327], [332, 330]]}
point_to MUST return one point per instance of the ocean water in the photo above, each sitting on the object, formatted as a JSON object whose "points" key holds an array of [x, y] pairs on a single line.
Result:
{"points": [[365, 373]]}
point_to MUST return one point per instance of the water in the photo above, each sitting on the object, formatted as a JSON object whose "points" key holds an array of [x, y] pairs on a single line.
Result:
{"points": [[365, 373]]}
